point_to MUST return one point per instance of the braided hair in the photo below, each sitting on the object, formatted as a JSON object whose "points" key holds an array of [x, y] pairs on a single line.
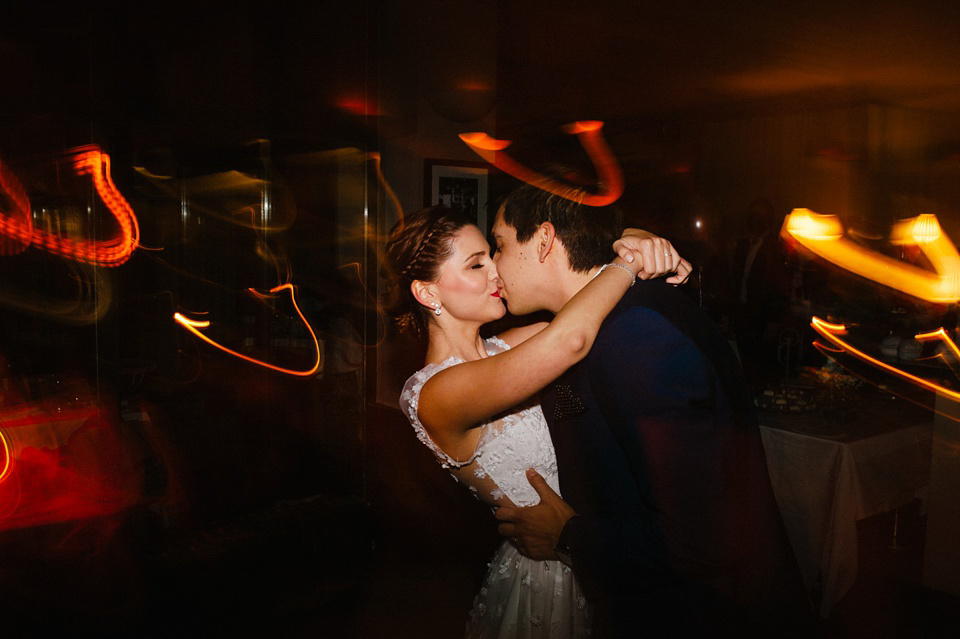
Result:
{"points": [[417, 246]]}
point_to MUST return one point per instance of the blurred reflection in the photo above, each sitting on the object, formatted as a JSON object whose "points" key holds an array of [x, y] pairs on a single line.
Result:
{"points": [[67, 292], [225, 236], [67, 455], [232, 196]]}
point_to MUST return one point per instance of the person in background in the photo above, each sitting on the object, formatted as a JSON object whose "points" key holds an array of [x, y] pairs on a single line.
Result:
{"points": [[760, 296]]}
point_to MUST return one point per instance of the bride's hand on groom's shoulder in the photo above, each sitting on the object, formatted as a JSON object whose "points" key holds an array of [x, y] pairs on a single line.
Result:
{"points": [[535, 530], [656, 255]]}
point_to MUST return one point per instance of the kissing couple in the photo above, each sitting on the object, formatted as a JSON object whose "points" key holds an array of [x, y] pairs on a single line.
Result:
{"points": [[616, 444]]}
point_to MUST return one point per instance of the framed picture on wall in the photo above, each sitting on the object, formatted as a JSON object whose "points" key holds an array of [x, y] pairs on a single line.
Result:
{"points": [[460, 186]]}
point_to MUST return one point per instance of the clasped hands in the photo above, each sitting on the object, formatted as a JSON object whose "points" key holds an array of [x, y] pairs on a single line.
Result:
{"points": [[657, 256], [535, 530]]}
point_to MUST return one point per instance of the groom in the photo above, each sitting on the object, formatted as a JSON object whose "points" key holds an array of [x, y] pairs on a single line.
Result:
{"points": [[668, 517]]}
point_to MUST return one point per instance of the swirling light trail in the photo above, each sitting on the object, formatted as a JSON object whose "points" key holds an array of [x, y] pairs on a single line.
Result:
{"points": [[833, 332], [89, 160], [194, 327], [824, 236], [609, 175]]}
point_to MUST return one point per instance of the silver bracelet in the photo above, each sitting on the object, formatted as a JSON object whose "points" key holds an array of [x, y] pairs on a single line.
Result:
{"points": [[633, 278]]}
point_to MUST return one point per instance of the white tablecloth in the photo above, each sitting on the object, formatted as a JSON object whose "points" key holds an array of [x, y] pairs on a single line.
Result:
{"points": [[826, 482]]}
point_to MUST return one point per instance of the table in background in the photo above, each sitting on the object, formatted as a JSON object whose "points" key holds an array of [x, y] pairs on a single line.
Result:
{"points": [[835, 466]]}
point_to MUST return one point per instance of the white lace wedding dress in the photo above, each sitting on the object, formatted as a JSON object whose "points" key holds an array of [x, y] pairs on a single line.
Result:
{"points": [[521, 597]]}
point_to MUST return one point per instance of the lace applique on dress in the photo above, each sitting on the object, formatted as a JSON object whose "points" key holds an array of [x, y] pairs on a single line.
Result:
{"points": [[410, 402], [508, 445]]}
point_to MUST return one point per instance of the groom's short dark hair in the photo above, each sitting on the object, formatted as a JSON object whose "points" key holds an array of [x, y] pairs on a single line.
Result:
{"points": [[587, 232]]}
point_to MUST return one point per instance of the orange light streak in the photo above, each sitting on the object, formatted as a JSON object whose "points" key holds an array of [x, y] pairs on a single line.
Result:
{"points": [[940, 334], [589, 132], [824, 236], [90, 161], [193, 326], [831, 332]]}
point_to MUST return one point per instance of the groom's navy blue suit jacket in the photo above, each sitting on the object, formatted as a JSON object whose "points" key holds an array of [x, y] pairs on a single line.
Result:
{"points": [[660, 454]]}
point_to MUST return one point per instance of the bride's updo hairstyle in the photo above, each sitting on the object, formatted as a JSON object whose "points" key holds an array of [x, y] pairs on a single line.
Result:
{"points": [[418, 244]]}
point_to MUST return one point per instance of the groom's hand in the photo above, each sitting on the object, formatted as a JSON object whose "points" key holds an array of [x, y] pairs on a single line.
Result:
{"points": [[535, 530]]}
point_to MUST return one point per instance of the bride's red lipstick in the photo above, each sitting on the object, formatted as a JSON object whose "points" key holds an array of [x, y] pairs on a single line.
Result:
{"points": [[495, 294]]}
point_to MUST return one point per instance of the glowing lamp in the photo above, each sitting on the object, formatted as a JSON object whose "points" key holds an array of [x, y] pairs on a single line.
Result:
{"points": [[805, 223], [918, 230]]}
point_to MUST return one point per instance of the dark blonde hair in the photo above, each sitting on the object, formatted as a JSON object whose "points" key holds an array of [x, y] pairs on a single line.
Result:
{"points": [[417, 246]]}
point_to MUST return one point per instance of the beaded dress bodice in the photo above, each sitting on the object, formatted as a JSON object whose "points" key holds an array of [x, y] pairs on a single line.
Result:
{"points": [[509, 444]]}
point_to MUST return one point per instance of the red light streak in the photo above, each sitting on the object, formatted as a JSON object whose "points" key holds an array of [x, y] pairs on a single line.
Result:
{"points": [[589, 132], [832, 332], [194, 327], [11, 186], [64, 466], [90, 161]]}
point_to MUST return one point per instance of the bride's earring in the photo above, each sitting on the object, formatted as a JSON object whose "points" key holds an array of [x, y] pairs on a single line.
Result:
{"points": [[436, 310]]}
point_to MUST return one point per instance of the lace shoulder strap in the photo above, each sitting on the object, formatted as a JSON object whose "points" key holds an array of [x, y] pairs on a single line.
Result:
{"points": [[496, 345], [410, 401]]}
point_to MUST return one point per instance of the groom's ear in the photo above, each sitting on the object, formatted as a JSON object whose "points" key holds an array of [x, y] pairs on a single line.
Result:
{"points": [[545, 236]]}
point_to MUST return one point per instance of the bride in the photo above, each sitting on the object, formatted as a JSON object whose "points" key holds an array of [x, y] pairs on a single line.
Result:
{"points": [[474, 402]]}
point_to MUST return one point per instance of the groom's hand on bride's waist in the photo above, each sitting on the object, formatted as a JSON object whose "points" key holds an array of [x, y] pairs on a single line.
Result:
{"points": [[535, 530]]}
